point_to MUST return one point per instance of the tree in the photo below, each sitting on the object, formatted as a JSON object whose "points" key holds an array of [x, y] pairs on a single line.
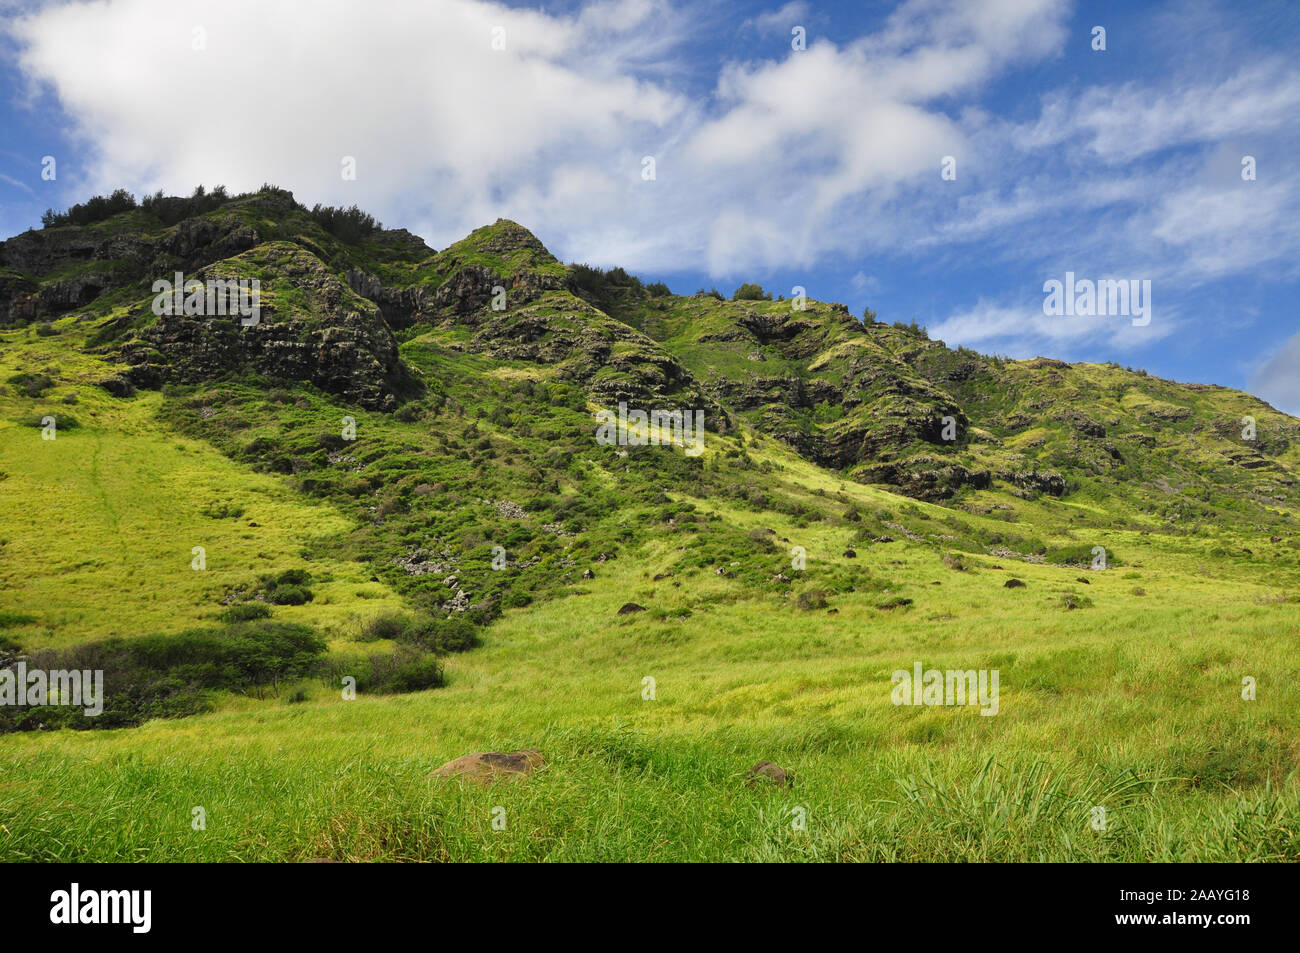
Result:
{"points": [[751, 292]]}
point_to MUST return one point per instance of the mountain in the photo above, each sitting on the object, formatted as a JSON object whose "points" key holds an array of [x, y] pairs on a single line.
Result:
{"points": [[392, 473]]}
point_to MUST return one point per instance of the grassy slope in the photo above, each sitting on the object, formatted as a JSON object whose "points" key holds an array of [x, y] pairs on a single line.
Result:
{"points": [[1146, 684], [99, 523], [1133, 703]]}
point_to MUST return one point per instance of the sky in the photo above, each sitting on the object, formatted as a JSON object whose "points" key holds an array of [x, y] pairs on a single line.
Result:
{"points": [[938, 162]]}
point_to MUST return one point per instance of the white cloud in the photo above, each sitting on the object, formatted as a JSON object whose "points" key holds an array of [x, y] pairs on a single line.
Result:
{"points": [[448, 133], [1021, 330], [441, 125], [782, 20], [1278, 379]]}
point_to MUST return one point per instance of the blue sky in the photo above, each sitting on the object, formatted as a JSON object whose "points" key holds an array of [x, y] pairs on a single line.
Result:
{"points": [[818, 167]]}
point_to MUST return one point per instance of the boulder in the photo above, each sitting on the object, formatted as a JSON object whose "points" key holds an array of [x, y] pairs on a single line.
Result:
{"points": [[489, 766], [766, 771]]}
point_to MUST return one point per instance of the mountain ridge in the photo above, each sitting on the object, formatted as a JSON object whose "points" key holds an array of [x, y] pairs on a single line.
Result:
{"points": [[883, 404]]}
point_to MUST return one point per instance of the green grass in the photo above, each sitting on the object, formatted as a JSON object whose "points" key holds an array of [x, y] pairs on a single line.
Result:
{"points": [[765, 639], [1133, 705]]}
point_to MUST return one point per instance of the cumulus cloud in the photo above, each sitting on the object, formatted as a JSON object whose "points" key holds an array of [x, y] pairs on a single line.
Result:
{"points": [[448, 132], [441, 124]]}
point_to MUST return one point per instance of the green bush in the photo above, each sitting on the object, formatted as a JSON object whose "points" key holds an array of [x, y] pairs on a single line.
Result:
{"points": [[348, 225], [287, 595], [169, 676], [390, 626], [751, 292], [31, 385], [246, 611], [93, 210], [457, 634]]}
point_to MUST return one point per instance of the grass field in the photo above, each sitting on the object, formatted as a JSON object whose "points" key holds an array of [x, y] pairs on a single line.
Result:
{"points": [[1146, 711], [1132, 703]]}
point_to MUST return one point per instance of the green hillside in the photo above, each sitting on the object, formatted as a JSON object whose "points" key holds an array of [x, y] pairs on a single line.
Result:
{"points": [[394, 476]]}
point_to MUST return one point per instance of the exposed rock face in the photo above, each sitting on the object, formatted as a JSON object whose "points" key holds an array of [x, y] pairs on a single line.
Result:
{"points": [[18, 301], [492, 766], [355, 356], [399, 307], [40, 252], [341, 343], [201, 241]]}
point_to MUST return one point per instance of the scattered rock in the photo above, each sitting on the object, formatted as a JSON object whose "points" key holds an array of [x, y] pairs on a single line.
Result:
{"points": [[509, 509], [850, 554], [588, 574], [662, 575], [1013, 584], [884, 539], [492, 765], [1084, 579], [780, 577], [767, 771], [630, 607]]}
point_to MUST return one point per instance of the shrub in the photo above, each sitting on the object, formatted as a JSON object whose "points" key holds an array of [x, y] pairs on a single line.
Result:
{"points": [[390, 626], [751, 292], [31, 385], [61, 421], [348, 225], [246, 611], [405, 670], [457, 634], [419, 674], [95, 209], [286, 595], [168, 676], [1079, 554]]}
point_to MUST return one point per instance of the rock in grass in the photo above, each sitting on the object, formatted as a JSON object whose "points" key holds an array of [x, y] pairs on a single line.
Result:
{"points": [[588, 574], [492, 765], [630, 607], [1084, 579], [1013, 584], [767, 771]]}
